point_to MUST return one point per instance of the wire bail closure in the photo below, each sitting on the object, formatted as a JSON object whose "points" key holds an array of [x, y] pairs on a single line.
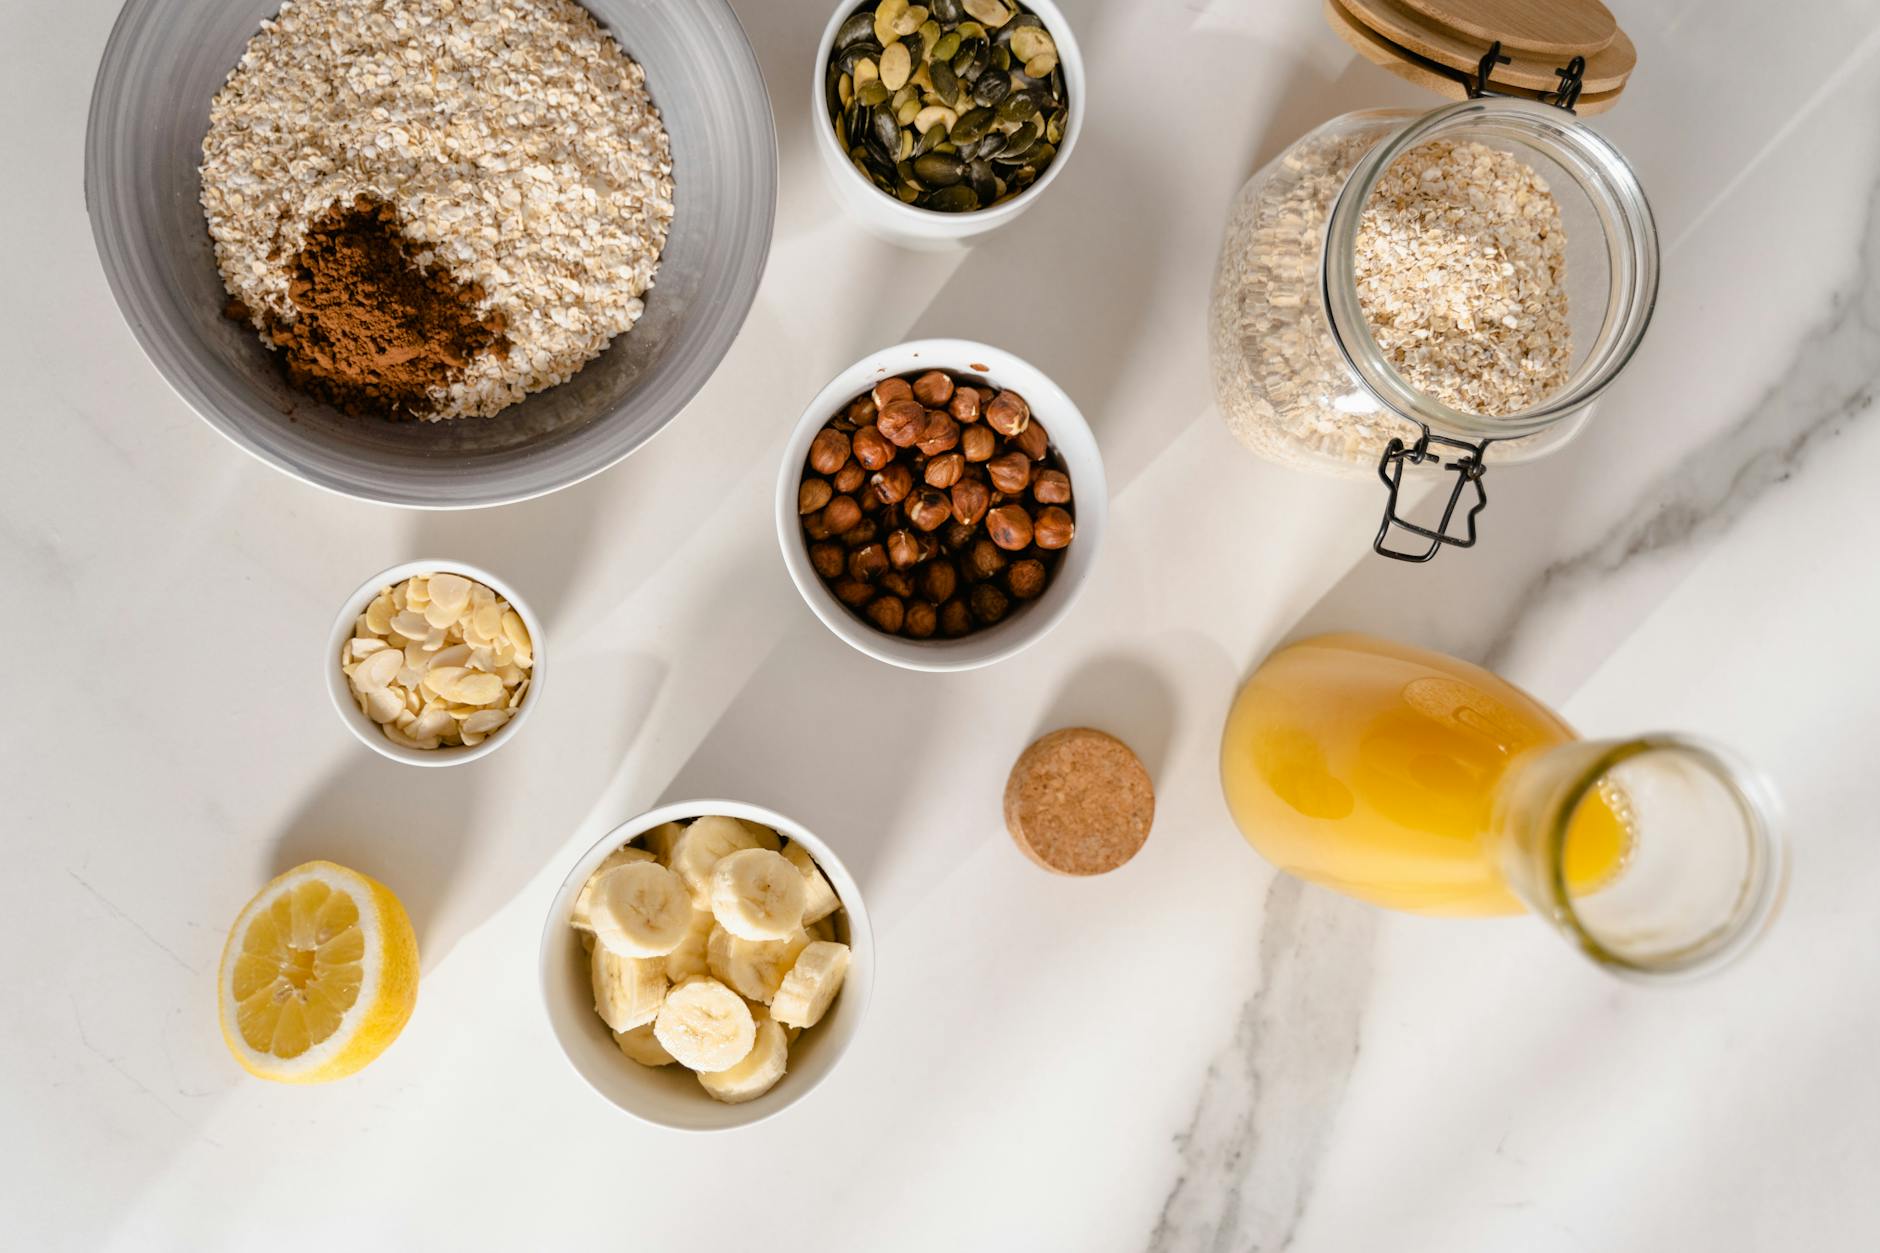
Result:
{"points": [[1468, 469], [1572, 78]]}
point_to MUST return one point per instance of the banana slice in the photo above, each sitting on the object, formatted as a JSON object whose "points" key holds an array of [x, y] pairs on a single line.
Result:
{"points": [[705, 1025], [640, 909], [823, 929], [660, 839], [689, 958], [758, 895], [759, 1069], [698, 849], [640, 1045], [628, 991], [766, 838], [581, 916], [821, 900], [754, 969], [811, 985]]}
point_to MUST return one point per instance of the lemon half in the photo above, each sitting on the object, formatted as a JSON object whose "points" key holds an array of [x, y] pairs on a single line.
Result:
{"points": [[319, 975]]}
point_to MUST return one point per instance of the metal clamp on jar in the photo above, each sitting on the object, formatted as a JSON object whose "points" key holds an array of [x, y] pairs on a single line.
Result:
{"points": [[1328, 328]]}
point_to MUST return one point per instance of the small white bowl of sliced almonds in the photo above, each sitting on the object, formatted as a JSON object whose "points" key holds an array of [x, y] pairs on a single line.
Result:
{"points": [[434, 663], [706, 965]]}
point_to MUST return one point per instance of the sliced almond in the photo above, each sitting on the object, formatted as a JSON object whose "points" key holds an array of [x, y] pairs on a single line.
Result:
{"points": [[379, 614], [473, 688], [518, 634], [384, 705], [378, 670], [439, 617], [450, 591], [439, 679], [411, 624], [484, 721], [454, 655]]}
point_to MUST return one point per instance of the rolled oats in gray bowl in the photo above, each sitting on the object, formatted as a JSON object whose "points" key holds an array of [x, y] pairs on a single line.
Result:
{"points": [[542, 219]]}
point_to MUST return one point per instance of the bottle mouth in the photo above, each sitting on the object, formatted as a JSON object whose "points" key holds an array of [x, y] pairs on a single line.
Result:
{"points": [[1662, 857], [1601, 197]]}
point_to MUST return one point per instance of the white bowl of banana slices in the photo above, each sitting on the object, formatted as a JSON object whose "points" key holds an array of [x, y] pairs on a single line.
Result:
{"points": [[706, 965]]}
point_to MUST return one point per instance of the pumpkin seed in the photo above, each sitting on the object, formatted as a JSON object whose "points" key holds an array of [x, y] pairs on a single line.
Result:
{"points": [[991, 88], [858, 26], [958, 198], [886, 14], [946, 84], [909, 20], [972, 124], [991, 12], [951, 106], [895, 67], [935, 117], [937, 169], [1031, 42]]}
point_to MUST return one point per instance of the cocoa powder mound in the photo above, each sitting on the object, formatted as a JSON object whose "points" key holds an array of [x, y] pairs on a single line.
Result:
{"points": [[374, 333]]}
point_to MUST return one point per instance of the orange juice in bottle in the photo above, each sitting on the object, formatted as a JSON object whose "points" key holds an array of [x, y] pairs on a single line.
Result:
{"points": [[1418, 782]]}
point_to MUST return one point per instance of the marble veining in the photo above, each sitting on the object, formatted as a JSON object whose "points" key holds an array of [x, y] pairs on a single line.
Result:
{"points": [[1823, 391], [1271, 1097]]}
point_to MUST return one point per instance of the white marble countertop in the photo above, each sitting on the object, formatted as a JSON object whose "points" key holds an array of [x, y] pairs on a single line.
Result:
{"points": [[1187, 1054]]}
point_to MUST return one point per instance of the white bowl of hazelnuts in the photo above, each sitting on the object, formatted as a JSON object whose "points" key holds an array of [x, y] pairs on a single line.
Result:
{"points": [[941, 504]]}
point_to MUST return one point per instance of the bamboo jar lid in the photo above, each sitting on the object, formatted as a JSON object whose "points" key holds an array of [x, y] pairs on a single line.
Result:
{"points": [[1429, 42], [1079, 802]]}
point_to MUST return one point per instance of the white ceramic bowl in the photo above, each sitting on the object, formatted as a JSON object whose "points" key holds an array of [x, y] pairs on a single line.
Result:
{"points": [[670, 1096], [1070, 435], [882, 214], [367, 730]]}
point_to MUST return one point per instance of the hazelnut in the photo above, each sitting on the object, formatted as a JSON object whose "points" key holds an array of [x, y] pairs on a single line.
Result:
{"points": [[891, 484], [957, 534], [850, 476], [841, 514], [1053, 527], [1025, 579], [872, 448], [828, 559], [861, 411], [965, 405], [1007, 413], [868, 562], [943, 471], [1010, 472], [897, 582], [815, 527], [933, 388], [988, 603], [902, 422], [1010, 527], [887, 391], [940, 433], [887, 612], [903, 549], [971, 499], [938, 580], [828, 451], [977, 442], [985, 560], [922, 619], [1050, 487], [928, 508], [852, 592], [1033, 441], [812, 495], [955, 619], [864, 532]]}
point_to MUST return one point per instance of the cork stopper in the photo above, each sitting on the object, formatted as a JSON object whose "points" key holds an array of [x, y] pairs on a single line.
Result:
{"points": [[1079, 802]]}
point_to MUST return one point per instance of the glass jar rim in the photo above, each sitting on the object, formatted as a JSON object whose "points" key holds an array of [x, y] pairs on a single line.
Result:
{"points": [[1766, 874], [1631, 236]]}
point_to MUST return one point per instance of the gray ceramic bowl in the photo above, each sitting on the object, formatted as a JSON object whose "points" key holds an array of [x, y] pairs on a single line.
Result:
{"points": [[149, 111]]}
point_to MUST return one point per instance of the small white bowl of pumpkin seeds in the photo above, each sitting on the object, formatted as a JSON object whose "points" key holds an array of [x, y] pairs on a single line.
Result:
{"points": [[982, 101]]}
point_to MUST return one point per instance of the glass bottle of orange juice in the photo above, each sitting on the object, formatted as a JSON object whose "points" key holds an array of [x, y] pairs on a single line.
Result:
{"points": [[1419, 782]]}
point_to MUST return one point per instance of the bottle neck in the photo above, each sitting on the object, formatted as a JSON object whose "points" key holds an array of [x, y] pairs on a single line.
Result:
{"points": [[1657, 856]]}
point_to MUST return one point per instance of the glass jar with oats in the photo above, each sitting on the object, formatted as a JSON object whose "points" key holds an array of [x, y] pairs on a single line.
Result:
{"points": [[1443, 290]]}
